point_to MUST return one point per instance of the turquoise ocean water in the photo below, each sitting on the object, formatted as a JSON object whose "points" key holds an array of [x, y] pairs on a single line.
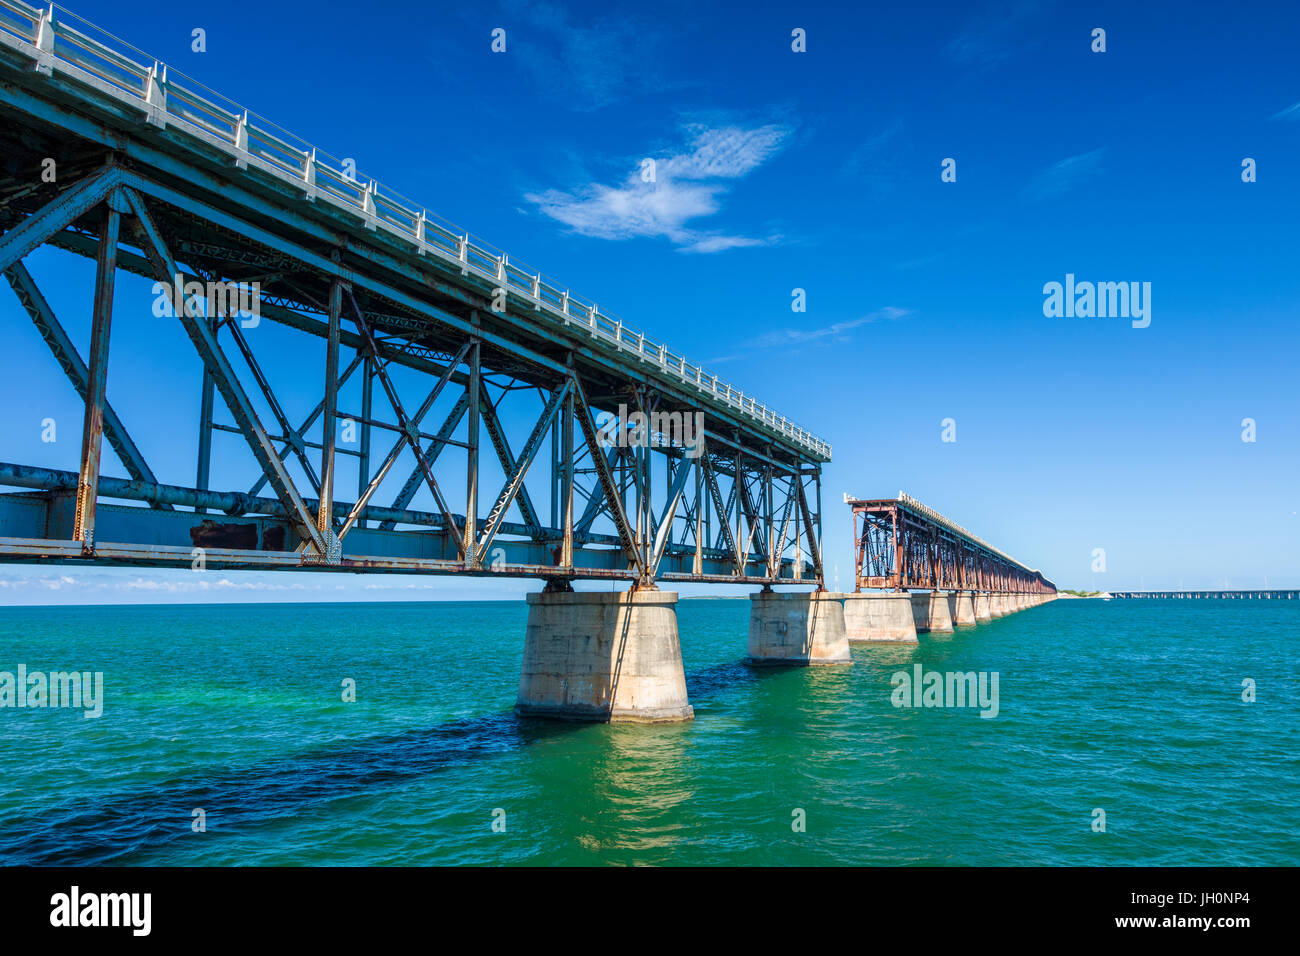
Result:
{"points": [[1132, 707]]}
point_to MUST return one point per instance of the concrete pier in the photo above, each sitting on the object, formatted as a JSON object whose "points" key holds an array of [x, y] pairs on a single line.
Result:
{"points": [[879, 617], [794, 628], [931, 612], [998, 605], [603, 656], [961, 608], [982, 613]]}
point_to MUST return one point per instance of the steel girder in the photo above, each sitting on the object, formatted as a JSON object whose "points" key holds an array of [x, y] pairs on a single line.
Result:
{"points": [[648, 510]]}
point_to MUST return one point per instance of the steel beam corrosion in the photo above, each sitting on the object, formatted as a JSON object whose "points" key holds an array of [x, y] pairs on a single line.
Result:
{"points": [[410, 335], [900, 545]]}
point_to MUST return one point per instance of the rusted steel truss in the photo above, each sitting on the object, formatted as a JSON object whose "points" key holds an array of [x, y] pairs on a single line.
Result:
{"points": [[624, 502], [900, 544]]}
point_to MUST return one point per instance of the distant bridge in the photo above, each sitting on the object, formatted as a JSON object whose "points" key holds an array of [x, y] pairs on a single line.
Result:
{"points": [[901, 544], [959, 580], [1283, 594]]}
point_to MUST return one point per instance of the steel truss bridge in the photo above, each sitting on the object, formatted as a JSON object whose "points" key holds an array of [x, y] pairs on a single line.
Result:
{"points": [[901, 544], [159, 177]]}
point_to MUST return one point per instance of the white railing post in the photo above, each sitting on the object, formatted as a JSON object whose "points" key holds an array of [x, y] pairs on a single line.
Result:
{"points": [[309, 174], [591, 316], [421, 229], [537, 291], [368, 204], [155, 94], [241, 140], [45, 42]]}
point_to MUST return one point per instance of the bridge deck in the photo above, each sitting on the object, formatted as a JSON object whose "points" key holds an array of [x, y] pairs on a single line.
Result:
{"points": [[190, 136], [160, 177]]}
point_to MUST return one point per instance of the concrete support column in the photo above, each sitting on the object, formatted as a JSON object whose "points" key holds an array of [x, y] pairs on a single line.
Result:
{"points": [[879, 617], [961, 608], [982, 613], [999, 605], [602, 656], [797, 628], [931, 612]]}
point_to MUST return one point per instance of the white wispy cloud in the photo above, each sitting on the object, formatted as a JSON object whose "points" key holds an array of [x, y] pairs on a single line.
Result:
{"points": [[835, 332], [687, 186], [586, 61], [795, 336], [995, 34], [1067, 174], [1291, 114]]}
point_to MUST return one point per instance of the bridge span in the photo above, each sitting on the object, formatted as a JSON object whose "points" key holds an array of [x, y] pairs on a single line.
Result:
{"points": [[355, 338], [916, 570]]}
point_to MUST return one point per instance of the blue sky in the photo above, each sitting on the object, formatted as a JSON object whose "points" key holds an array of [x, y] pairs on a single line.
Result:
{"points": [[821, 170]]}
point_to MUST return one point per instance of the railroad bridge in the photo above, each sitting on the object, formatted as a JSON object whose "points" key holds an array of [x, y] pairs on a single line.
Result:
{"points": [[419, 344], [915, 570]]}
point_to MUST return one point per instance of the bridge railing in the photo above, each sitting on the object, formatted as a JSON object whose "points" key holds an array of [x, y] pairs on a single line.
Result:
{"points": [[61, 40]]}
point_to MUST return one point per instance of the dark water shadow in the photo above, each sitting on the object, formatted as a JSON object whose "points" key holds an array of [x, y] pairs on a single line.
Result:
{"points": [[720, 678], [133, 820], [130, 821]]}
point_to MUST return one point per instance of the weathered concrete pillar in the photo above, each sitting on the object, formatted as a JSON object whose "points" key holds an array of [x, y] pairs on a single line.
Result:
{"points": [[879, 617], [961, 608], [603, 656], [1001, 604], [797, 628], [982, 613], [930, 611]]}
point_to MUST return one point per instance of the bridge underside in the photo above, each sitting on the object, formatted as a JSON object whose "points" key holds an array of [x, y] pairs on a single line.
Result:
{"points": [[408, 366]]}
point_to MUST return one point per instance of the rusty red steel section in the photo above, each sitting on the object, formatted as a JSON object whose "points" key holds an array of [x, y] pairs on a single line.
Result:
{"points": [[901, 544]]}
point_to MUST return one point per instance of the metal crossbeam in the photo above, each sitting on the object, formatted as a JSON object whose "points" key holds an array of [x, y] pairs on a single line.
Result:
{"points": [[29, 295], [205, 342]]}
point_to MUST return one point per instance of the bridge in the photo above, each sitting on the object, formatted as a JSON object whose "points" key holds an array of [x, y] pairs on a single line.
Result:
{"points": [[915, 570], [615, 457], [1262, 594], [356, 339]]}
